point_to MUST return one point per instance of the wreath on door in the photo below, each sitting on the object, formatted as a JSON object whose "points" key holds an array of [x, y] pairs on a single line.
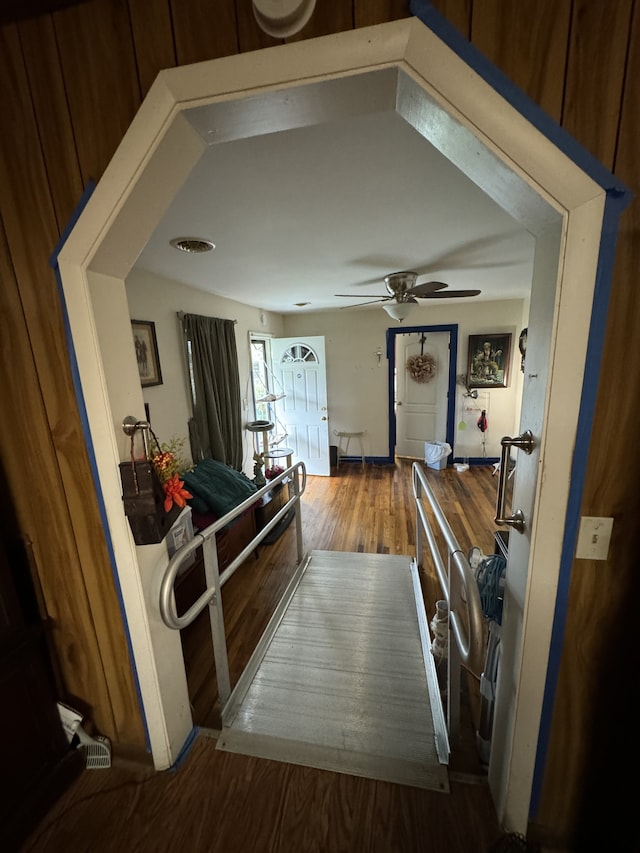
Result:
{"points": [[422, 368]]}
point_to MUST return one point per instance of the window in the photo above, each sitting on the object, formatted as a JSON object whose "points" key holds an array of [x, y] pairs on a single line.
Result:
{"points": [[261, 386], [267, 390], [298, 352]]}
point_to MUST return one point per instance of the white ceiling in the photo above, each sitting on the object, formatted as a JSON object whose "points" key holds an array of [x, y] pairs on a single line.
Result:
{"points": [[300, 215]]}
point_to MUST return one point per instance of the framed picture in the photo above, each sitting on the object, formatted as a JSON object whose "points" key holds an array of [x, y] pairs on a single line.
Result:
{"points": [[144, 338], [489, 361]]}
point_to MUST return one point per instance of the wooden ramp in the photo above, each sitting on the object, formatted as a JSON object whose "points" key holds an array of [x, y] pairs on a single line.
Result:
{"points": [[343, 678]]}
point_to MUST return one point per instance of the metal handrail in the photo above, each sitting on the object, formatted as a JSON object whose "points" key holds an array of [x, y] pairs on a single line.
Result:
{"points": [[459, 586], [296, 475]]}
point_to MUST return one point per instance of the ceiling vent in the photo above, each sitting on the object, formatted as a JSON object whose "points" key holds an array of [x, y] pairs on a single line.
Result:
{"points": [[192, 245]]}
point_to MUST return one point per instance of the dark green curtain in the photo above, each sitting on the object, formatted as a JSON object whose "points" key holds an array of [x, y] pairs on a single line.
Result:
{"points": [[215, 431]]}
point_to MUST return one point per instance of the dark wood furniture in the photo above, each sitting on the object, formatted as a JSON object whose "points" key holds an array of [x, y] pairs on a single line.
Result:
{"points": [[229, 543], [271, 503], [237, 536]]}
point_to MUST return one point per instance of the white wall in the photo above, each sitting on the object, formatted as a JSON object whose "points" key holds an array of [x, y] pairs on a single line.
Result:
{"points": [[358, 386], [158, 653], [158, 299], [357, 383]]}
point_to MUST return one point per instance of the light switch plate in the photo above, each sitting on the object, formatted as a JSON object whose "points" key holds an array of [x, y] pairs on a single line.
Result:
{"points": [[594, 536]]}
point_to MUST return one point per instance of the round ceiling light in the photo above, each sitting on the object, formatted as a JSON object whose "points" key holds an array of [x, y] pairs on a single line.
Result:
{"points": [[192, 245], [282, 18], [398, 310]]}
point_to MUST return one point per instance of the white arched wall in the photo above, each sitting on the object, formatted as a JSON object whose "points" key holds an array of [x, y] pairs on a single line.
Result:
{"points": [[101, 330], [473, 126]]}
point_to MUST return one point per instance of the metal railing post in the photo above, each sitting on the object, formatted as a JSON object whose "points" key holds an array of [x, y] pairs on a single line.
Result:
{"points": [[462, 578], [212, 596], [216, 617], [459, 589], [419, 527], [298, 515]]}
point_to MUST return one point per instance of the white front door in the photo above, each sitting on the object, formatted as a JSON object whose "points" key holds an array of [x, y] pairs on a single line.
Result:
{"points": [[421, 402], [300, 367]]}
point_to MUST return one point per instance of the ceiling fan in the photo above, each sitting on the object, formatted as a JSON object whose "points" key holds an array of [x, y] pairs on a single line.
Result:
{"points": [[405, 292]]}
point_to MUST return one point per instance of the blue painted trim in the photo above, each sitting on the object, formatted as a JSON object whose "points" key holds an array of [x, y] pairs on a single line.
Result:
{"points": [[452, 329], [446, 32], [478, 460], [391, 415], [84, 420], [453, 367], [186, 749], [578, 475], [369, 460], [379, 460]]}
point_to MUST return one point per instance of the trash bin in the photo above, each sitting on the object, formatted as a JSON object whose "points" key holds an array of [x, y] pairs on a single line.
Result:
{"points": [[333, 455], [435, 454]]}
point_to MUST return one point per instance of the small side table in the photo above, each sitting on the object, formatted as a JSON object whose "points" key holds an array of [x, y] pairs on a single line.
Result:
{"points": [[279, 453]]}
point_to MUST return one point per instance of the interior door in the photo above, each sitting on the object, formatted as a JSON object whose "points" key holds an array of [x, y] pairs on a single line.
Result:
{"points": [[523, 624], [421, 404], [299, 365]]}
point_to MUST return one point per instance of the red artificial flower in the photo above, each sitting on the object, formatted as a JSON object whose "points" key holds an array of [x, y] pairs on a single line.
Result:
{"points": [[275, 471], [175, 493]]}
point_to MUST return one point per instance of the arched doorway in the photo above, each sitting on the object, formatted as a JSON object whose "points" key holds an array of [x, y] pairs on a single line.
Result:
{"points": [[403, 67]]}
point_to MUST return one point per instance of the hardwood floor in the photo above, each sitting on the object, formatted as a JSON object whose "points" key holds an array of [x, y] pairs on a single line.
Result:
{"points": [[216, 801], [224, 803]]}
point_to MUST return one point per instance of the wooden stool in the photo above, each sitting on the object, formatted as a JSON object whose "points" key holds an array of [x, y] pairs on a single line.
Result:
{"points": [[349, 436]]}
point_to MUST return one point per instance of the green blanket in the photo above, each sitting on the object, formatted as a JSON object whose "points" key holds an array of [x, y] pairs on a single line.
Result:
{"points": [[217, 487]]}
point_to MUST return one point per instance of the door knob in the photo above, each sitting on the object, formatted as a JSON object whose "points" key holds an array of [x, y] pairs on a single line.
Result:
{"points": [[323, 418], [522, 442]]}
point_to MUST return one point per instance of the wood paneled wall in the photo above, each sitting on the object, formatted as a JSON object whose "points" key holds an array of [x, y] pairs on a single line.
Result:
{"points": [[70, 84]]}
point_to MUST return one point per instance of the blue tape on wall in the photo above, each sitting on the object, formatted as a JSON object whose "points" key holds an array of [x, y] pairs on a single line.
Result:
{"points": [[82, 409]]}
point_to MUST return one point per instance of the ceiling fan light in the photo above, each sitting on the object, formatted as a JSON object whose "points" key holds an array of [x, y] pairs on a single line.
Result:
{"points": [[398, 310]]}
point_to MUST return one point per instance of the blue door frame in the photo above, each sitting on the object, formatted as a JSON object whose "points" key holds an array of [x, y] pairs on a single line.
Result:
{"points": [[451, 387]]}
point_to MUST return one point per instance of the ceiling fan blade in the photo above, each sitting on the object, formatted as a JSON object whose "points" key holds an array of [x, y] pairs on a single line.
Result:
{"points": [[360, 304], [361, 296], [449, 294], [426, 287]]}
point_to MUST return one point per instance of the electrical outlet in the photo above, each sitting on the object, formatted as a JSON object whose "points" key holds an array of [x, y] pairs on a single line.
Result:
{"points": [[594, 536]]}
